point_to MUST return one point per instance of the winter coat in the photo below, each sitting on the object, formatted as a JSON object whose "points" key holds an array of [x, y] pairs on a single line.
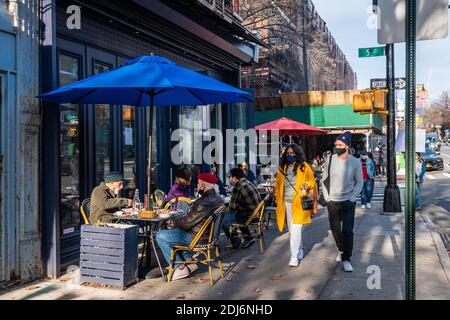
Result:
{"points": [[299, 216], [104, 202], [201, 209]]}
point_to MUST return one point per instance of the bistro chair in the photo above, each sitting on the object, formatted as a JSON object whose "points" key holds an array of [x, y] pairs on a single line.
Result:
{"points": [[211, 226], [255, 221], [85, 210], [179, 204], [160, 197]]}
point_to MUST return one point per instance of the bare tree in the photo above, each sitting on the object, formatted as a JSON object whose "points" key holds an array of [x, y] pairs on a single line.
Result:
{"points": [[300, 46], [439, 112]]}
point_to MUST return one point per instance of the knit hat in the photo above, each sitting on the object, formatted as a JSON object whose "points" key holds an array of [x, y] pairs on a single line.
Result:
{"points": [[114, 176], [208, 177], [346, 138]]}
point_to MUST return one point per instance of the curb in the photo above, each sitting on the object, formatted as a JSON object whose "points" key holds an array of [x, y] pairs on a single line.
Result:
{"points": [[444, 258]]}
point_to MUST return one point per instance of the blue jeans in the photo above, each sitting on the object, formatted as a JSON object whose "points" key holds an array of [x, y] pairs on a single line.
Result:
{"points": [[168, 237], [418, 187], [366, 192]]}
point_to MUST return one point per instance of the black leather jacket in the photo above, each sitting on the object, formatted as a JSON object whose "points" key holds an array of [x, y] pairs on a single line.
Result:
{"points": [[201, 209]]}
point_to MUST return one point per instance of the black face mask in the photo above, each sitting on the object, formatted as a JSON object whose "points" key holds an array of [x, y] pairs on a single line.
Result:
{"points": [[201, 192], [340, 151]]}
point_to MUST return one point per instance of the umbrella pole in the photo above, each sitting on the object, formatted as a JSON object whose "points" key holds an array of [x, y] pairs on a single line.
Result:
{"points": [[149, 170]]}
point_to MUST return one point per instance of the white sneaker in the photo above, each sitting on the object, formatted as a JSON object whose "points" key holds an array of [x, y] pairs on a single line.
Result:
{"points": [[347, 266], [193, 267], [338, 258], [300, 254], [363, 206], [180, 273], [369, 205], [293, 262]]}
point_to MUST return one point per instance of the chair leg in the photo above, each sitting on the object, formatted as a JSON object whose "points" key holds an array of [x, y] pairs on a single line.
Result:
{"points": [[262, 244], [220, 262], [171, 265], [210, 268]]}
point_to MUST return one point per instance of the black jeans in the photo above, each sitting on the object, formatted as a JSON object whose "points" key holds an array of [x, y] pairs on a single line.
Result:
{"points": [[234, 217], [342, 219]]}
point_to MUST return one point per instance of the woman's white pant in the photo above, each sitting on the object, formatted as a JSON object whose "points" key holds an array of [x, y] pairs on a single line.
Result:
{"points": [[295, 231]]}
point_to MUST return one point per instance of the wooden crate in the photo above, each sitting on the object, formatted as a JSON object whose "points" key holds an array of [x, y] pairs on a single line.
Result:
{"points": [[109, 255]]}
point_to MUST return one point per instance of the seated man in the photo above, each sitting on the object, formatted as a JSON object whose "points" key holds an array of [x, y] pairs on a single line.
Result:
{"points": [[184, 228], [105, 199], [244, 200]]}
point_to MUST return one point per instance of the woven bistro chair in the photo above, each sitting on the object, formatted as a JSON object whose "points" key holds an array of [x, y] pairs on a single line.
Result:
{"points": [[160, 197], [255, 221], [211, 226], [179, 204], [85, 209]]}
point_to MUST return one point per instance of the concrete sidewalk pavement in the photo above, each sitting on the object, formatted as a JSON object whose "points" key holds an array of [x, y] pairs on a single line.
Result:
{"points": [[378, 243]]}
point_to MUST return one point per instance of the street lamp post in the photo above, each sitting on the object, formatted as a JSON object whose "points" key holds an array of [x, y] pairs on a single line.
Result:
{"points": [[410, 127], [392, 202]]}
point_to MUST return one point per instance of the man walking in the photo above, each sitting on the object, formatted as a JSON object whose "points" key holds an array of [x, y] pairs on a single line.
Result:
{"points": [[368, 172], [345, 182]]}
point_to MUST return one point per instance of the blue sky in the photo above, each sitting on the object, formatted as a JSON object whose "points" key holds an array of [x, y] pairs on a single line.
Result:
{"points": [[347, 22]]}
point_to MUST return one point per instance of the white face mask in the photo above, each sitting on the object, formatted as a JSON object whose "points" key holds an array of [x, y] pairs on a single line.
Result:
{"points": [[364, 157]]}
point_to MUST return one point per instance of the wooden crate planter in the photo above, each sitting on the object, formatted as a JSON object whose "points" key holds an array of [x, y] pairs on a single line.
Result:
{"points": [[109, 255]]}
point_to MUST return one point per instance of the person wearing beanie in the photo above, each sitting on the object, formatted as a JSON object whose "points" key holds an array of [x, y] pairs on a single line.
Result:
{"points": [[105, 199], [184, 228], [340, 189], [244, 200]]}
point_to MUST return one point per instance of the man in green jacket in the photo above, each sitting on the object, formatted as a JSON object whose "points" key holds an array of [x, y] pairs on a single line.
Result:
{"points": [[105, 199]]}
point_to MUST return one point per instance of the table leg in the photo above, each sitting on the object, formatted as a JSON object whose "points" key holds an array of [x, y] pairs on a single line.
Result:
{"points": [[148, 252], [156, 254]]}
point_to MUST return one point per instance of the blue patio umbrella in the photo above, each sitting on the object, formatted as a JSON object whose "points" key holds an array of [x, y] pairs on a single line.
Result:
{"points": [[148, 81]]}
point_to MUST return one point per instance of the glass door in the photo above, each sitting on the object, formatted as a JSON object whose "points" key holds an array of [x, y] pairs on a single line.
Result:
{"points": [[69, 71]]}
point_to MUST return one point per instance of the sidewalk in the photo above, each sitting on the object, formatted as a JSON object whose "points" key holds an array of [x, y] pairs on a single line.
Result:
{"points": [[379, 241]]}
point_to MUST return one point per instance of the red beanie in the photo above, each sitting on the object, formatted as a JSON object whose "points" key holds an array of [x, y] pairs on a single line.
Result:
{"points": [[208, 177]]}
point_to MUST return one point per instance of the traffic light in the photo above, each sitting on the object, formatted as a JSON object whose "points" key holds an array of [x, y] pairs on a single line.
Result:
{"points": [[370, 101]]}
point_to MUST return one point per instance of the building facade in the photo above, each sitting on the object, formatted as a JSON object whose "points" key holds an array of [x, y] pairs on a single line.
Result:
{"points": [[20, 230], [302, 53], [52, 156]]}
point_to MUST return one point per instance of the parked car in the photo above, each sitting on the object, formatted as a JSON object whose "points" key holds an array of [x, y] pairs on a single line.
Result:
{"points": [[432, 160]]}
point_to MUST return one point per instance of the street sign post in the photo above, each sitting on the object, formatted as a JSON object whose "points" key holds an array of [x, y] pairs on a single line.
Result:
{"points": [[410, 144], [399, 84], [371, 52]]}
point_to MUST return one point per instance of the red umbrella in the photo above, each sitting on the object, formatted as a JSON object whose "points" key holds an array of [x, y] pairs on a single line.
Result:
{"points": [[288, 127]]}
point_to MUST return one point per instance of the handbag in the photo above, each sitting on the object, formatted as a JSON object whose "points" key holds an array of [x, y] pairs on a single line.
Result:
{"points": [[307, 201], [326, 183]]}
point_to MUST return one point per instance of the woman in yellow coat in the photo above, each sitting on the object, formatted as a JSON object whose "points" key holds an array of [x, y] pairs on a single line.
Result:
{"points": [[294, 180]]}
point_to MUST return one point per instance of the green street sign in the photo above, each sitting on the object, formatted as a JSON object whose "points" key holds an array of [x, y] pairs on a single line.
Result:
{"points": [[372, 52]]}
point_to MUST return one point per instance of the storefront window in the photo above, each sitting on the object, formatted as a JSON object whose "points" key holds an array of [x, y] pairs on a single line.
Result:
{"points": [[129, 149], [190, 118], [69, 71], [102, 131]]}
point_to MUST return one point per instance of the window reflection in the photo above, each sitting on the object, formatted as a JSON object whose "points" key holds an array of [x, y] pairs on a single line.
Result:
{"points": [[102, 131], [129, 150]]}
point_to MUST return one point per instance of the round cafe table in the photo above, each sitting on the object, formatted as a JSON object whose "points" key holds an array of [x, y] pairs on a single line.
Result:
{"points": [[149, 237]]}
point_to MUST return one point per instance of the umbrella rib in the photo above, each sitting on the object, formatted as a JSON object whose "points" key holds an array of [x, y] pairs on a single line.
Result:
{"points": [[76, 101], [195, 95]]}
